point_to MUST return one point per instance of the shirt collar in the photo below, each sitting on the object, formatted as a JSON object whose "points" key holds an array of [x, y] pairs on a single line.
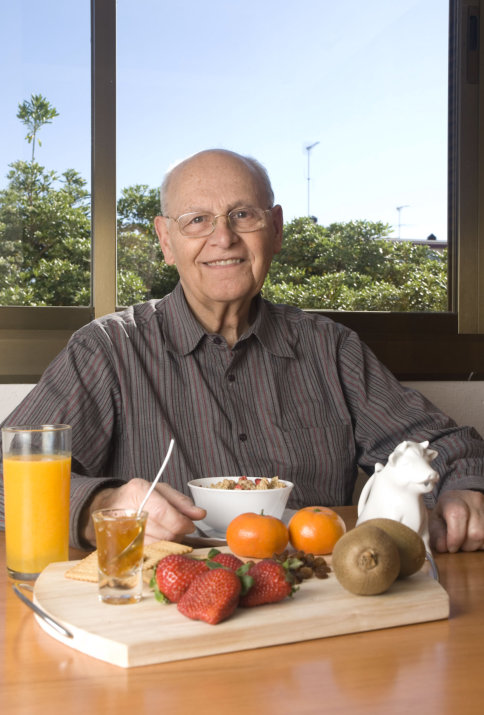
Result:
{"points": [[272, 331], [183, 332]]}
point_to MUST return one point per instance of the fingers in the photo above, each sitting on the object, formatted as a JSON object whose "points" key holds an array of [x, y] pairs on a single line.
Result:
{"points": [[171, 513], [180, 501], [457, 522], [437, 532]]}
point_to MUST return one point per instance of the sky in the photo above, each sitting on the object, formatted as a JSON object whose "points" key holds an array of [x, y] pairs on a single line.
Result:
{"points": [[366, 80]]}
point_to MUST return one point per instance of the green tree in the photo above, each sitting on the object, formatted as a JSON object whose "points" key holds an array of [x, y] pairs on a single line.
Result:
{"points": [[352, 266], [142, 272], [46, 237], [34, 113], [45, 227]]}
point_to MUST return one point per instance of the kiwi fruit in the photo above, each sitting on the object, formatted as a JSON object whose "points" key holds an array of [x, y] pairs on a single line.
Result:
{"points": [[366, 560], [410, 545]]}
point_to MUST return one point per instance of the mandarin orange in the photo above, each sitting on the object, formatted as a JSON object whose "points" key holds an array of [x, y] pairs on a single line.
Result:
{"points": [[315, 529], [257, 536]]}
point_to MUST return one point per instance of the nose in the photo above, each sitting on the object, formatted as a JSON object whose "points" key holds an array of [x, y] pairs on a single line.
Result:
{"points": [[222, 235]]}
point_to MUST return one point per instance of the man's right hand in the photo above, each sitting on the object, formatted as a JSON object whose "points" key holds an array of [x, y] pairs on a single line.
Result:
{"points": [[171, 513]]}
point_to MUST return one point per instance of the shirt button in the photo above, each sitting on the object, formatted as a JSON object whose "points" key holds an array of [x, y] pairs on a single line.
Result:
{"points": [[231, 378], [243, 437], [217, 340]]}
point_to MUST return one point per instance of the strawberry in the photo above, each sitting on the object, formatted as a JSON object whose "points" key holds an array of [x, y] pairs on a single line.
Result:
{"points": [[211, 597], [230, 561], [272, 582], [174, 574]]}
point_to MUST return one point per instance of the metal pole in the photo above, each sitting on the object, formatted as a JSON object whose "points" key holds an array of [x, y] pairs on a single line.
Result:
{"points": [[308, 149], [399, 209]]}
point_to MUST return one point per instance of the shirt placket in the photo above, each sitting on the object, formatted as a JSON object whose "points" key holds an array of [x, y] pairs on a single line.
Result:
{"points": [[230, 359]]}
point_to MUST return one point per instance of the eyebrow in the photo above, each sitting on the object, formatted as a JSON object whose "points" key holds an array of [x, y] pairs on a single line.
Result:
{"points": [[237, 205]]}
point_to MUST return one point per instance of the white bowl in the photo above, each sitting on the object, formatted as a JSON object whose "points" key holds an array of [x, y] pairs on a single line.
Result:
{"points": [[223, 505]]}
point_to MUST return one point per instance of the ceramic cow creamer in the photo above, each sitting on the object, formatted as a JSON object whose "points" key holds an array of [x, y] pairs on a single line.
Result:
{"points": [[395, 491]]}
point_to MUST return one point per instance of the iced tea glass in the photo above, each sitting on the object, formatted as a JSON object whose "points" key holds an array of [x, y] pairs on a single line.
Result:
{"points": [[36, 478], [119, 540]]}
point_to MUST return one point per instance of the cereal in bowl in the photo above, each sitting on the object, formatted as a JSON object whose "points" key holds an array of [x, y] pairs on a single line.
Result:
{"points": [[245, 483]]}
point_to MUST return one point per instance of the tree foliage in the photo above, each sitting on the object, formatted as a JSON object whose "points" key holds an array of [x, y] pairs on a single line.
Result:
{"points": [[142, 272], [45, 226], [351, 266], [34, 113]]}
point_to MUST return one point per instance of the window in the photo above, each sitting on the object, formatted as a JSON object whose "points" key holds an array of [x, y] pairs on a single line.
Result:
{"points": [[45, 183], [413, 345], [346, 106]]}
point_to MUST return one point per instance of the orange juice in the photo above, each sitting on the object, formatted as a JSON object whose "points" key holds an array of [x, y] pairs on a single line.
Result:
{"points": [[37, 488]]}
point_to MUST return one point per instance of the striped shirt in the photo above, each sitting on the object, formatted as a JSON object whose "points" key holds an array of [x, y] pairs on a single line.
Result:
{"points": [[298, 396]]}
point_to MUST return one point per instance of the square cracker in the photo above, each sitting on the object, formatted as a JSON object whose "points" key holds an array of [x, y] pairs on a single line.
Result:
{"points": [[87, 568], [84, 570]]}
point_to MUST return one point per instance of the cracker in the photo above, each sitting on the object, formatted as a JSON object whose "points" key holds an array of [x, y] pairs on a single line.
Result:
{"points": [[84, 570], [166, 547], [155, 552], [87, 568]]}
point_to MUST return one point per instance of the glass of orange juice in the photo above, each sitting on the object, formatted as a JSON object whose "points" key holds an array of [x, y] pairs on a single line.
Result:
{"points": [[36, 476]]}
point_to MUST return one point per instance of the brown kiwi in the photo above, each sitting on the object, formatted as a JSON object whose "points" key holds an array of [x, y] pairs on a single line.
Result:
{"points": [[410, 545], [366, 560]]}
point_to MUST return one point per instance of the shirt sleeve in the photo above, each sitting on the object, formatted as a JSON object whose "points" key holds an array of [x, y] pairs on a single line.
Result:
{"points": [[385, 413], [79, 388]]}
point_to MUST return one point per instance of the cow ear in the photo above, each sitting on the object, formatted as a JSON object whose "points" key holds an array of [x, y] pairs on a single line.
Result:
{"points": [[424, 444], [432, 454]]}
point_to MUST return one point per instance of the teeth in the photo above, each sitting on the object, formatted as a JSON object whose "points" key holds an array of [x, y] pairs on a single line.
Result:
{"points": [[228, 262]]}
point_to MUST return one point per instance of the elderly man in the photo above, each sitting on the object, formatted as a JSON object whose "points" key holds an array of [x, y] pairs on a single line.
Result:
{"points": [[244, 386]]}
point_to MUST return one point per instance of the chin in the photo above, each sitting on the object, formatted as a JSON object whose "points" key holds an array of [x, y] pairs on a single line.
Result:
{"points": [[231, 293]]}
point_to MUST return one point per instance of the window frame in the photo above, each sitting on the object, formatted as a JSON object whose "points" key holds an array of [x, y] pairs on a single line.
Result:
{"points": [[414, 346]]}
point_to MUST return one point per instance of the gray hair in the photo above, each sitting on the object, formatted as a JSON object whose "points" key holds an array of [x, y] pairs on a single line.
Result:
{"points": [[255, 166]]}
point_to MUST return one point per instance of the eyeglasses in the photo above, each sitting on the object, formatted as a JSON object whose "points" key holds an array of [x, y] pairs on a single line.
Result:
{"points": [[243, 220]]}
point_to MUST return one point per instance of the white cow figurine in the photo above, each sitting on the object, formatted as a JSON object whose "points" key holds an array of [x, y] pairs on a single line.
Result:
{"points": [[396, 490]]}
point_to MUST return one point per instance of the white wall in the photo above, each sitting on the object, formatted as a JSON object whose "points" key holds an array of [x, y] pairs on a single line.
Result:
{"points": [[463, 401], [10, 396]]}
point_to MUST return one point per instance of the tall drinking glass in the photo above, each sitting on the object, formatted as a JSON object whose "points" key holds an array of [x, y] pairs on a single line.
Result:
{"points": [[36, 477]]}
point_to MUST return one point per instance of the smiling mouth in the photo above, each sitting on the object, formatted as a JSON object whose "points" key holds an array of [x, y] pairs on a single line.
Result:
{"points": [[227, 262]]}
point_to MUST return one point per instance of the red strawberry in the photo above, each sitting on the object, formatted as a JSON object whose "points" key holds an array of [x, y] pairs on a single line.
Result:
{"points": [[271, 583], [174, 574], [211, 597], [230, 561]]}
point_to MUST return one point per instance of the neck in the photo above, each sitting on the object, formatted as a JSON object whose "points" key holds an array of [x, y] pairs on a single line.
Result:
{"points": [[228, 320]]}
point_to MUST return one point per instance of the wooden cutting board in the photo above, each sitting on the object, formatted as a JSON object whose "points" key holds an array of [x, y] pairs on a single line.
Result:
{"points": [[150, 632]]}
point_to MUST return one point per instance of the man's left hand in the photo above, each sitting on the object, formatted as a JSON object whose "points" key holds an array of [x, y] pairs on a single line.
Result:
{"points": [[457, 522]]}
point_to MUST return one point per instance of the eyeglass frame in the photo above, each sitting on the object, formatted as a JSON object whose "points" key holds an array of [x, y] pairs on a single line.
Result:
{"points": [[214, 221]]}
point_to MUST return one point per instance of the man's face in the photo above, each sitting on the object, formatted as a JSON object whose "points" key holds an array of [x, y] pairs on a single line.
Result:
{"points": [[225, 267]]}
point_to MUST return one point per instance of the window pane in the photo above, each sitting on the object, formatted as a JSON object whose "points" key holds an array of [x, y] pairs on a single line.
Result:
{"points": [[346, 106], [45, 153]]}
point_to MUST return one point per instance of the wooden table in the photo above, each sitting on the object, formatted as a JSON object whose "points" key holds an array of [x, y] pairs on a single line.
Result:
{"points": [[435, 667]]}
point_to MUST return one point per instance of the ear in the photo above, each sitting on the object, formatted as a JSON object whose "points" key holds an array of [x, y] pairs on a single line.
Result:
{"points": [[161, 228], [278, 226]]}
